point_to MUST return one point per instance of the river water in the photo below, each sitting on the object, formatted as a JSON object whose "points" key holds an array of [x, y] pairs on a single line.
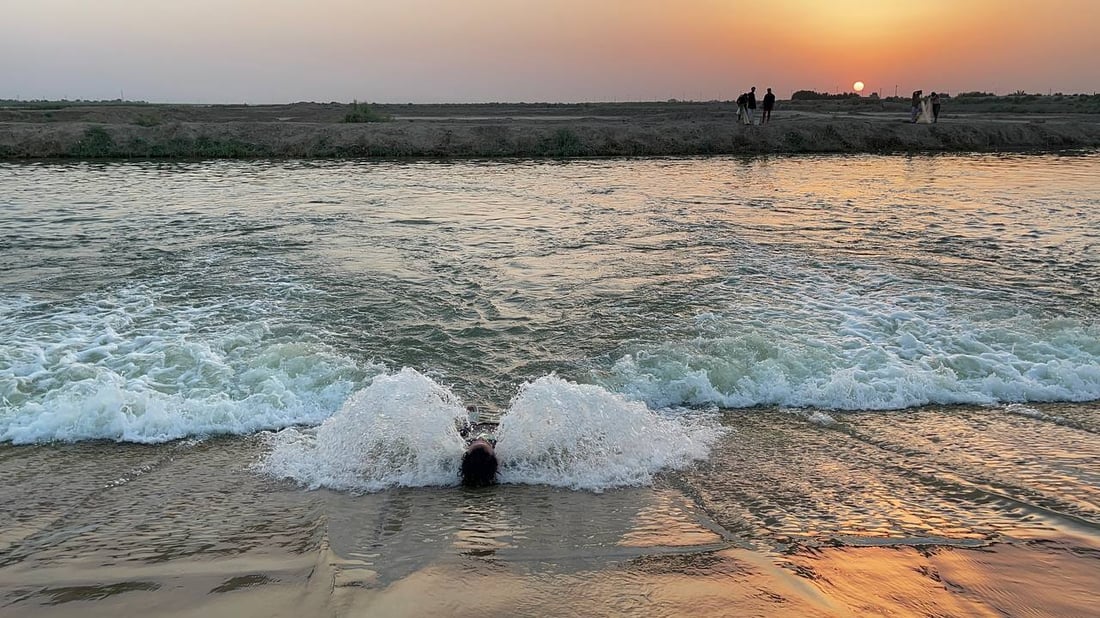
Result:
{"points": [[222, 378]]}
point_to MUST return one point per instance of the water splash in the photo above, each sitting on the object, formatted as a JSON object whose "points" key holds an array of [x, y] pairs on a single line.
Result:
{"points": [[401, 431], [585, 437], [398, 431]]}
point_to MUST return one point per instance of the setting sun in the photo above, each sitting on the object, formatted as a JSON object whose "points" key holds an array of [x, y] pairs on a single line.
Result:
{"points": [[858, 86]]}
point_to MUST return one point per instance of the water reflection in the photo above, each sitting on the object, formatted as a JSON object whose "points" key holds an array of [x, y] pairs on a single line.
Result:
{"points": [[385, 537]]}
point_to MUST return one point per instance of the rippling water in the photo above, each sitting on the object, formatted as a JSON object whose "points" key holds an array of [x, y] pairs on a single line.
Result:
{"points": [[772, 352]]}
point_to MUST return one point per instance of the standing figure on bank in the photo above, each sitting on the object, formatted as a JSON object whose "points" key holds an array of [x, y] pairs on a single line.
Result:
{"points": [[915, 110], [769, 104], [752, 103], [935, 107], [925, 115], [742, 108]]}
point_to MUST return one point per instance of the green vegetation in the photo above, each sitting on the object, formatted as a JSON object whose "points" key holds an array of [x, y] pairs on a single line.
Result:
{"points": [[147, 120], [562, 143], [361, 112], [96, 143]]}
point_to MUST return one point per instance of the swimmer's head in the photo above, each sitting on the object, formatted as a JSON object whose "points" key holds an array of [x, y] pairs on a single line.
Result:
{"points": [[479, 464]]}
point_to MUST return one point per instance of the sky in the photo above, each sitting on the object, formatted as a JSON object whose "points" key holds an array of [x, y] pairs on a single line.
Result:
{"points": [[424, 51]]}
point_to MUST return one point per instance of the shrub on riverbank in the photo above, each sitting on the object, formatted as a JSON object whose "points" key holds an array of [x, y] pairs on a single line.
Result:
{"points": [[361, 112], [96, 143]]}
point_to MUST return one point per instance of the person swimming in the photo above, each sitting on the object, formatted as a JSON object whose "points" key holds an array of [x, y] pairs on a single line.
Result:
{"points": [[479, 462]]}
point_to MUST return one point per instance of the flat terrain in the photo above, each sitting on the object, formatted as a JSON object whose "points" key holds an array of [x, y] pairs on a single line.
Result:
{"points": [[319, 130]]}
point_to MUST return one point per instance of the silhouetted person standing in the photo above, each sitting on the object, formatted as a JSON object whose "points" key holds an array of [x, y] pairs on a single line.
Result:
{"points": [[742, 108], [769, 104], [935, 107], [752, 103], [916, 105]]}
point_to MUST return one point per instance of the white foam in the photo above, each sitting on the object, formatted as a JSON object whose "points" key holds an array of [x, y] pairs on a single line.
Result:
{"points": [[401, 431], [129, 367], [820, 418], [1022, 410], [585, 437], [855, 353], [398, 431]]}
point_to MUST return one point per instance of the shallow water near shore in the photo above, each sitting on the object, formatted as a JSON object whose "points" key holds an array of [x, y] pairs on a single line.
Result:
{"points": [[740, 386]]}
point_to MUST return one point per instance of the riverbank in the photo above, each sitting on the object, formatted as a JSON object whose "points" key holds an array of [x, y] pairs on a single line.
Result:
{"points": [[309, 130]]}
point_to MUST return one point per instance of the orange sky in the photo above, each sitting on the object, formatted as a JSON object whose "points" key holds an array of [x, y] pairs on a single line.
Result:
{"points": [[549, 50]]}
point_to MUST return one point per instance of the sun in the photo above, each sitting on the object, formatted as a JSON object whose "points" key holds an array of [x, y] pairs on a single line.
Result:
{"points": [[858, 86]]}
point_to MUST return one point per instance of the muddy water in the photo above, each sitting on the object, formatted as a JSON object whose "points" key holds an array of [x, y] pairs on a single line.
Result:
{"points": [[795, 386]]}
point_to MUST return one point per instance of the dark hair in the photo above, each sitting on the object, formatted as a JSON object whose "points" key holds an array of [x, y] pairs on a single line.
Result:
{"points": [[479, 465]]}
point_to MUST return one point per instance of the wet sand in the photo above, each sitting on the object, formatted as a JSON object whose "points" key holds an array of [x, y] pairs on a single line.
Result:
{"points": [[309, 130], [939, 511], [1044, 579]]}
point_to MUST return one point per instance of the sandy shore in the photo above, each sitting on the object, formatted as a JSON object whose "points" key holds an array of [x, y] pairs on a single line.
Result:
{"points": [[593, 130], [191, 529], [1042, 578]]}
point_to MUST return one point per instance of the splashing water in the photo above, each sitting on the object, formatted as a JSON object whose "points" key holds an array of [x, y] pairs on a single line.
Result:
{"points": [[402, 430], [398, 431], [584, 437]]}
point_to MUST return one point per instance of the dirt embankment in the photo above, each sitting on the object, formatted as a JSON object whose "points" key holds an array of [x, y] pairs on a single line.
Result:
{"points": [[498, 130]]}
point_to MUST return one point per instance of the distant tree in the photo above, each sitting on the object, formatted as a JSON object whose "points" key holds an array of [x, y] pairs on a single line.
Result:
{"points": [[362, 112], [810, 95], [807, 95]]}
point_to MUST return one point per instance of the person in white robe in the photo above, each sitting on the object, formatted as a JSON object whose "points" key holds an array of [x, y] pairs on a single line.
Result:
{"points": [[925, 116]]}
